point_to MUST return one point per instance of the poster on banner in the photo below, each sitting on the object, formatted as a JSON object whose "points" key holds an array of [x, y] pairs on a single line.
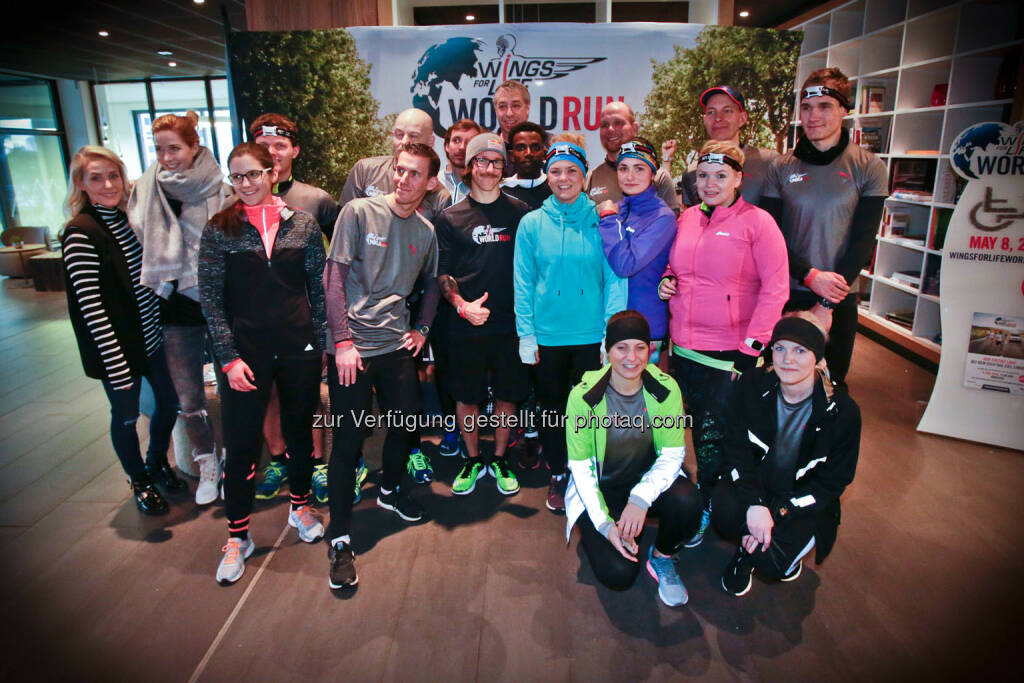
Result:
{"points": [[344, 86], [995, 354], [979, 390]]}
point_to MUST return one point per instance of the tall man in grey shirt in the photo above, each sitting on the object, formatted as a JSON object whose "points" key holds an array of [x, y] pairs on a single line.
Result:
{"points": [[725, 114], [381, 246], [372, 176]]}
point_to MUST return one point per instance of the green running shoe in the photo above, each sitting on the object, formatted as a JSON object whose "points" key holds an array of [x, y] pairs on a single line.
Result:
{"points": [[419, 467], [275, 475], [320, 483], [465, 480], [507, 482]]}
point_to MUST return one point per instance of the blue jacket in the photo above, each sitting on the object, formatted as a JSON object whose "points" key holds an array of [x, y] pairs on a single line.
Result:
{"points": [[637, 241], [565, 291]]}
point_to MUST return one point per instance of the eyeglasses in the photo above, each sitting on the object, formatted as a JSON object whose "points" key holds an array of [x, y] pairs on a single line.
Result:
{"points": [[253, 176], [533, 147], [483, 162]]}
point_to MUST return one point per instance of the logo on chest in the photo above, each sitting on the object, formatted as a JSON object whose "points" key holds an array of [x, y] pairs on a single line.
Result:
{"points": [[485, 234], [375, 240], [797, 177], [373, 191], [600, 189]]}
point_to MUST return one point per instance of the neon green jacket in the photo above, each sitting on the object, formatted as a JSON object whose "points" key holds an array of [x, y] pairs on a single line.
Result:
{"points": [[586, 443]]}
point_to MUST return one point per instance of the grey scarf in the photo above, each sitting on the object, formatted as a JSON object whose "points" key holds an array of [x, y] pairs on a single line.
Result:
{"points": [[170, 244]]}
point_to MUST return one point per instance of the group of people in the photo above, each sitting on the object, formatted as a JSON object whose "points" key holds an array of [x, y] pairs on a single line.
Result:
{"points": [[595, 301]]}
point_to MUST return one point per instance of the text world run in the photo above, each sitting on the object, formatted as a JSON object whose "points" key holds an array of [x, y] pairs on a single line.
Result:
{"points": [[575, 114]]}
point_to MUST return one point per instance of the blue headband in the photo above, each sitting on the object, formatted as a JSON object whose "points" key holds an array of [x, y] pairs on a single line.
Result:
{"points": [[566, 151]]}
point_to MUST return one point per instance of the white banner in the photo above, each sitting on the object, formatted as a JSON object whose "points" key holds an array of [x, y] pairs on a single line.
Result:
{"points": [[979, 391], [572, 71]]}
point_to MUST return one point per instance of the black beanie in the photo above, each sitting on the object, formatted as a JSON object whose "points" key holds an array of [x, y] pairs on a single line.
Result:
{"points": [[627, 325], [803, 332]]}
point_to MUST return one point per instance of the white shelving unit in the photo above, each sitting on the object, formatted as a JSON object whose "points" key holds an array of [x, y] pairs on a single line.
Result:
{"points": [[908, 49]]}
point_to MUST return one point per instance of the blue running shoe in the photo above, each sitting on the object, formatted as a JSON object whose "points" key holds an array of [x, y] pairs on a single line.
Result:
{"points": [[451, 444], [670, 587], [705, 520]]}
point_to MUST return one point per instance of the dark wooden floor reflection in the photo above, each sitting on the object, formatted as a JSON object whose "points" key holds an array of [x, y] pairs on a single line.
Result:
{"points": [[925, 580]]}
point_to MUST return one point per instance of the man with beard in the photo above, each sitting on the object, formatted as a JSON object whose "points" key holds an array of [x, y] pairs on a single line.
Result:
{"points": [[456, 138], [528, 145]]}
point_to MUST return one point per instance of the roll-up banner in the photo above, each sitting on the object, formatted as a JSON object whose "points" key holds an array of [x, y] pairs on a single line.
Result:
{"points": [[979, 391], [344, 86]]}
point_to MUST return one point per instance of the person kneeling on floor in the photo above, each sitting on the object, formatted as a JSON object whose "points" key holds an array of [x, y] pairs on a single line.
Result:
{"points": [[625, 432], [791, 444]]}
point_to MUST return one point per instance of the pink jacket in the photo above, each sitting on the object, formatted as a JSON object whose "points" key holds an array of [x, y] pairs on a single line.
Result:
{"points": [[732, 278]]}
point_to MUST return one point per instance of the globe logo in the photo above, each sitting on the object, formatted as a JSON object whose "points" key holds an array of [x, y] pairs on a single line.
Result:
{"points": [[988, 149]]}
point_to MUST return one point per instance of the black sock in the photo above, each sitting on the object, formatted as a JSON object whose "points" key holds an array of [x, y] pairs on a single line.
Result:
{"points": [[278, 458]]}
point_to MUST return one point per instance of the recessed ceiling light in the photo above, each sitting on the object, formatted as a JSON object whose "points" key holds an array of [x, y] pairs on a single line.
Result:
{"points": [[104, 34], [165, 53], [199, 2], [470, 17], [744, 14], [172, 64]]}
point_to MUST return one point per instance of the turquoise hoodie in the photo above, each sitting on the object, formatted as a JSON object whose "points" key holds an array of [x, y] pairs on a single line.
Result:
{"points": [[565, 291]]}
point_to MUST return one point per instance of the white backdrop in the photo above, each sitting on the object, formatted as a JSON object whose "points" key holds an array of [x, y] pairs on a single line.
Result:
{"points": [[572, 70]]}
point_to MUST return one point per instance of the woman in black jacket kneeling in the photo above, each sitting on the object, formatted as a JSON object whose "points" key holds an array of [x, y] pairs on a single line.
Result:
{"points": [[791, 446]]}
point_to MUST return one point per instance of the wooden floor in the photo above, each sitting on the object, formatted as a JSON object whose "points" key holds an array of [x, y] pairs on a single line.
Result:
{"points": [[925, 581]]}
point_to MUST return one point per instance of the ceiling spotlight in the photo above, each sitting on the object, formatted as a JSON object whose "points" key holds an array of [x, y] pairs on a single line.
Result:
{"points": [[165, 53], [172, 64], [470, 17], [104, 34], [744, 14], [199, 2]]}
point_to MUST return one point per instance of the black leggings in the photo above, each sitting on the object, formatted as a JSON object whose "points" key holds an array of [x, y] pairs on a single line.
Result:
{"points": [[560, 367], [841, 336], [678, 510], [792, 538], [393, 376], [297, 377], [707, 392]]}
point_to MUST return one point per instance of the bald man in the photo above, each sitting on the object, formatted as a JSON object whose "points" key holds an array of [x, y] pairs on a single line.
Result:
{"points": [[375, 175], [618, 125]]}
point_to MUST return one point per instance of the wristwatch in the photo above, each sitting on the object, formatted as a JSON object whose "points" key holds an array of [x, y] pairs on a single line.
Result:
{"points": [[754, 344], [424, 330]]}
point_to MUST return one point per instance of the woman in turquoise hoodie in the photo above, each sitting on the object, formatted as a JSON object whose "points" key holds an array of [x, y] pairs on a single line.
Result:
{"points": [[565, 292]]}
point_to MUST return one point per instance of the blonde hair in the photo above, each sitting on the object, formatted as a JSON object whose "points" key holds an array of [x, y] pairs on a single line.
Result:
{"points": [[809, 317], [77, 197], [726, 147], [575, 138]]}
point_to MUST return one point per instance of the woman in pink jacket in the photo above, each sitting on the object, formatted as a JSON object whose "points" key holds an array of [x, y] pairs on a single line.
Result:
{"points": [[726, 282]]}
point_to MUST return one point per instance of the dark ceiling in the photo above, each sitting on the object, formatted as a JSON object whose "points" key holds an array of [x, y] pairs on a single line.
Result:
{"points": [[60, 38]]}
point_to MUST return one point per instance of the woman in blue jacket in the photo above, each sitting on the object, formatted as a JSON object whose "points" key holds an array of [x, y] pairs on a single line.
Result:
{"points": [[565, 292], [637, 233]]}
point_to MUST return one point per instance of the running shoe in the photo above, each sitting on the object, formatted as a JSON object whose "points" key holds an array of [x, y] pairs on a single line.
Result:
{"points": [[529, 456], [507, 482], [465, 480], [738, 575], [419, 467], [311, 528], [343, 566], [232, 565], [451, 444], [361, 474], [794, 573], [670, 587], [556, 493], [705, 520], [209, 478], [320, 483], [275, 475], [515, 437], [401, 504]]}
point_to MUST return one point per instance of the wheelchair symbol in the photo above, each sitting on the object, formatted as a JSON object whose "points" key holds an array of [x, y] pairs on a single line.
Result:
{"points": [[985, 215]]}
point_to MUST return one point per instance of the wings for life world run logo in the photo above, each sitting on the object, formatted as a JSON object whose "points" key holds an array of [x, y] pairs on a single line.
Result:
{"points": [[989, 149], [472, 69]]}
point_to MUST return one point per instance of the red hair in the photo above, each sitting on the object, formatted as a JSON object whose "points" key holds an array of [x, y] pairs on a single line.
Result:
{"points": [[184, 126]]}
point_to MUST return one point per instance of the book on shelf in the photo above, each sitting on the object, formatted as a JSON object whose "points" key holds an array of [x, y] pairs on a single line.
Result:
{"points": [[899, 223], [871, 139], [921, 152], [911, 278], [911, 195], [913, 175], [872, 100], [904, 318]]}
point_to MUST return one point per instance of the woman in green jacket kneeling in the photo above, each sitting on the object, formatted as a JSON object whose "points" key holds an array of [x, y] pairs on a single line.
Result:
{"points": [[625, 432]]}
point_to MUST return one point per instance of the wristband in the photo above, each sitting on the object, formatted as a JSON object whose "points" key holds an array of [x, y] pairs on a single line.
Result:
{"points": [[754, 344], [809, 278], [227, 368], [460, 310], [825, 303], [609, 212], [343, 344]]}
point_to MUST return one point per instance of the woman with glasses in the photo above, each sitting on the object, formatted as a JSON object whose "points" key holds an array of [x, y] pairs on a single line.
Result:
{"points": [[261, 265], [637, 232], [565, 292], [168, 208]]}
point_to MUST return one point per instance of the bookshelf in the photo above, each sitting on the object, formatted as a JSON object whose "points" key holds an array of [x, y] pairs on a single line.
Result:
{"points": [[908, 49]]}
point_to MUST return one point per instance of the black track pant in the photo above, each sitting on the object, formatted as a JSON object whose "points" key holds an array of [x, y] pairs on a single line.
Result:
{"points": [[792, 538], [393, 376], [298, 384], [560, 367], [678, 511]]}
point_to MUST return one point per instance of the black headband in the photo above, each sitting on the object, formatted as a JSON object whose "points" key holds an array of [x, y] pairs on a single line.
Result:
{"points": [[825, 91], [627, 327], [716, 158], [803, 332], [277, 130]]}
